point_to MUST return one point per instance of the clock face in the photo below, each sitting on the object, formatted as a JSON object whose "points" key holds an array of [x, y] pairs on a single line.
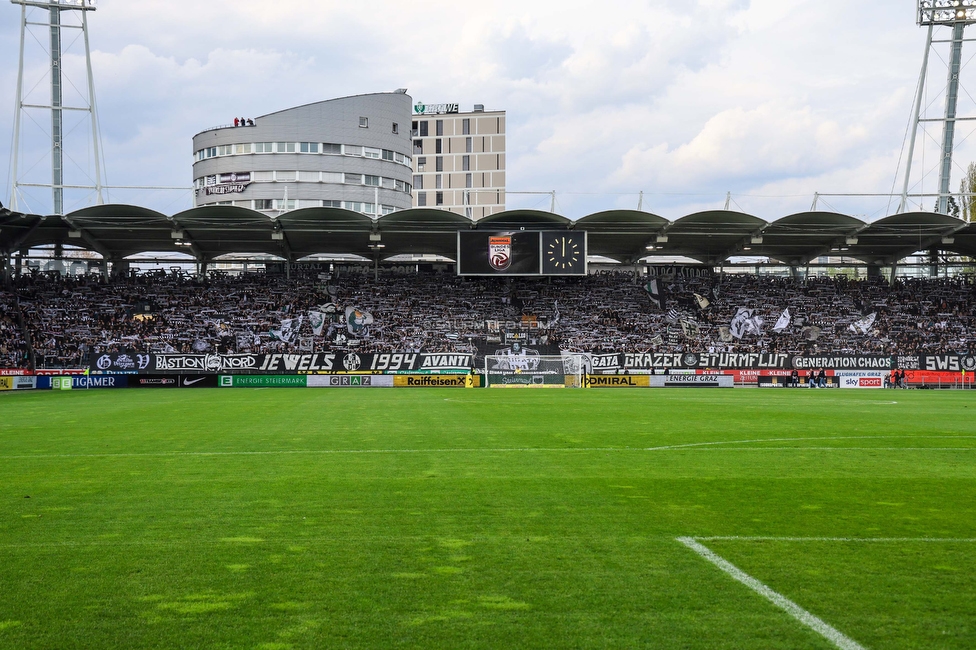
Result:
{"points": [[563, 254]]}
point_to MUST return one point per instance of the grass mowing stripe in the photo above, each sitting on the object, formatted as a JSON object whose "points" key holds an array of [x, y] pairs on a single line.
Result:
{"points": [[694, 446], [803, 616]]}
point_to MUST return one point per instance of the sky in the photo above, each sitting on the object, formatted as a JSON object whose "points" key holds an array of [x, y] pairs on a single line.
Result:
{"points": [[769, 100]]}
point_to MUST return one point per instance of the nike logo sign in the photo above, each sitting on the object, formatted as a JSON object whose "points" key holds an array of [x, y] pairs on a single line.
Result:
{"points": [[187, 382]]}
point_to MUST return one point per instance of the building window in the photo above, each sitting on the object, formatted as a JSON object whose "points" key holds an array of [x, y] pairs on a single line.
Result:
{"points": [[335, 149], [372, 181], [400, 158], [242, 148], [438, 181], [327, 203], [387, 209], [211, 152], [418, 182], [465, 163], [438, 148], [354, 179], [309, 147], [364, 122], [440, 127], [468, 180], [439, 198], [308, 177], [468, 144], [262, 177], [396, 128], [281, 204], [352, 150], [286, 176], [264, 204], [421, 163], [421, 199], [423, 129], [418, 146], [388, 155], [225, 150], [465, 126], [263, 147], [371, 153], [400, 186], [439, 163], [286, 147], [332, 177]]}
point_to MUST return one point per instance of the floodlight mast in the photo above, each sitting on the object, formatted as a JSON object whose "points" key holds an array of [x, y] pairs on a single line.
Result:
{"points": [[956, 14], [57, 107]]}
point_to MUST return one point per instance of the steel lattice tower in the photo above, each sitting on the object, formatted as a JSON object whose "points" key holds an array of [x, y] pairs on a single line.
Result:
{"points": [[56, 10]]}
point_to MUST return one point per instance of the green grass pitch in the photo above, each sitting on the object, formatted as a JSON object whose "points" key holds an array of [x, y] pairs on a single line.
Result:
{"points": [[440, 518]]}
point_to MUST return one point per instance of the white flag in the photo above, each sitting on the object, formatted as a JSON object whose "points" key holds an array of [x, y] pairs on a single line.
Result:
{"points": [[317, 320], [358, 321], [740, 322], [863, 325], [783, 322]]}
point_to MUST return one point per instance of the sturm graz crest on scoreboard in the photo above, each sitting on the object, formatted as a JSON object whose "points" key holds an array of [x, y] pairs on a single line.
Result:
{"points": [[500, 252]]}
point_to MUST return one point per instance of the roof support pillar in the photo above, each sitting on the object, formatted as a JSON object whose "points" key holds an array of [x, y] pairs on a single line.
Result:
{"points": [[6, 269]]}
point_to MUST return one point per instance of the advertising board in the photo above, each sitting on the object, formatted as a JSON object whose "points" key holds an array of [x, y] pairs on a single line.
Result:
{"points": [[690, 381], [860, 379], [350, 381], [434, 381], [84, 382], [617, 381], [263, 381], [154, 381]]}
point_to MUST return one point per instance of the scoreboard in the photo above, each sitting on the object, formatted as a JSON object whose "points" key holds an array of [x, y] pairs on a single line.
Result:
{"points": [[521, 252]]}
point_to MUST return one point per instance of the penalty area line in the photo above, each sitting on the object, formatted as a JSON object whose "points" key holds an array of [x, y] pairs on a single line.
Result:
{"points": [[803, 616]]}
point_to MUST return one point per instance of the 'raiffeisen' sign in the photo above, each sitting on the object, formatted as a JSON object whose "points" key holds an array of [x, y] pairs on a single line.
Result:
{"points": [[421, 108]]}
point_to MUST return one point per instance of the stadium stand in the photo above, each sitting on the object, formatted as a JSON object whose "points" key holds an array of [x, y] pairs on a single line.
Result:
{"points": [[69, 317]]}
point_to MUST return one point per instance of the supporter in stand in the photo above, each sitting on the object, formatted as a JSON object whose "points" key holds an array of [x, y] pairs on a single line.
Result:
{"points": [[14, 352], [607, 312]]}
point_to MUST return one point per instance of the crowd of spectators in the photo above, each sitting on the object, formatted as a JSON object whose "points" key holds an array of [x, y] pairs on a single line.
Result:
{"points": [[14, 351], [608, 312]]}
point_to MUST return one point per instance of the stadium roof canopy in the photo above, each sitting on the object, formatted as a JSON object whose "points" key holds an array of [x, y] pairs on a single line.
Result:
{"points": [[120, 231]]}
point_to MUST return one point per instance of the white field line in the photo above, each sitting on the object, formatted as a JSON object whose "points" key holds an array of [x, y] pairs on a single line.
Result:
{"points": [[721, 445], [691, 445], [803, 616], [863, 540]]}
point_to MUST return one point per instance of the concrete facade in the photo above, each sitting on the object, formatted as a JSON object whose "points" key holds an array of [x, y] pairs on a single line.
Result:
{"points": [[459, 161], [351, 152]]}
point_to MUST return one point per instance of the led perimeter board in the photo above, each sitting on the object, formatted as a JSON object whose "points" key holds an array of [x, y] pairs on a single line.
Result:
{"points": [[521, 252]]}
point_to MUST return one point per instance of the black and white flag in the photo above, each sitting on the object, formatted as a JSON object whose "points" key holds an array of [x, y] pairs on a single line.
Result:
{"points": [[656, 293], [745, 322]]}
